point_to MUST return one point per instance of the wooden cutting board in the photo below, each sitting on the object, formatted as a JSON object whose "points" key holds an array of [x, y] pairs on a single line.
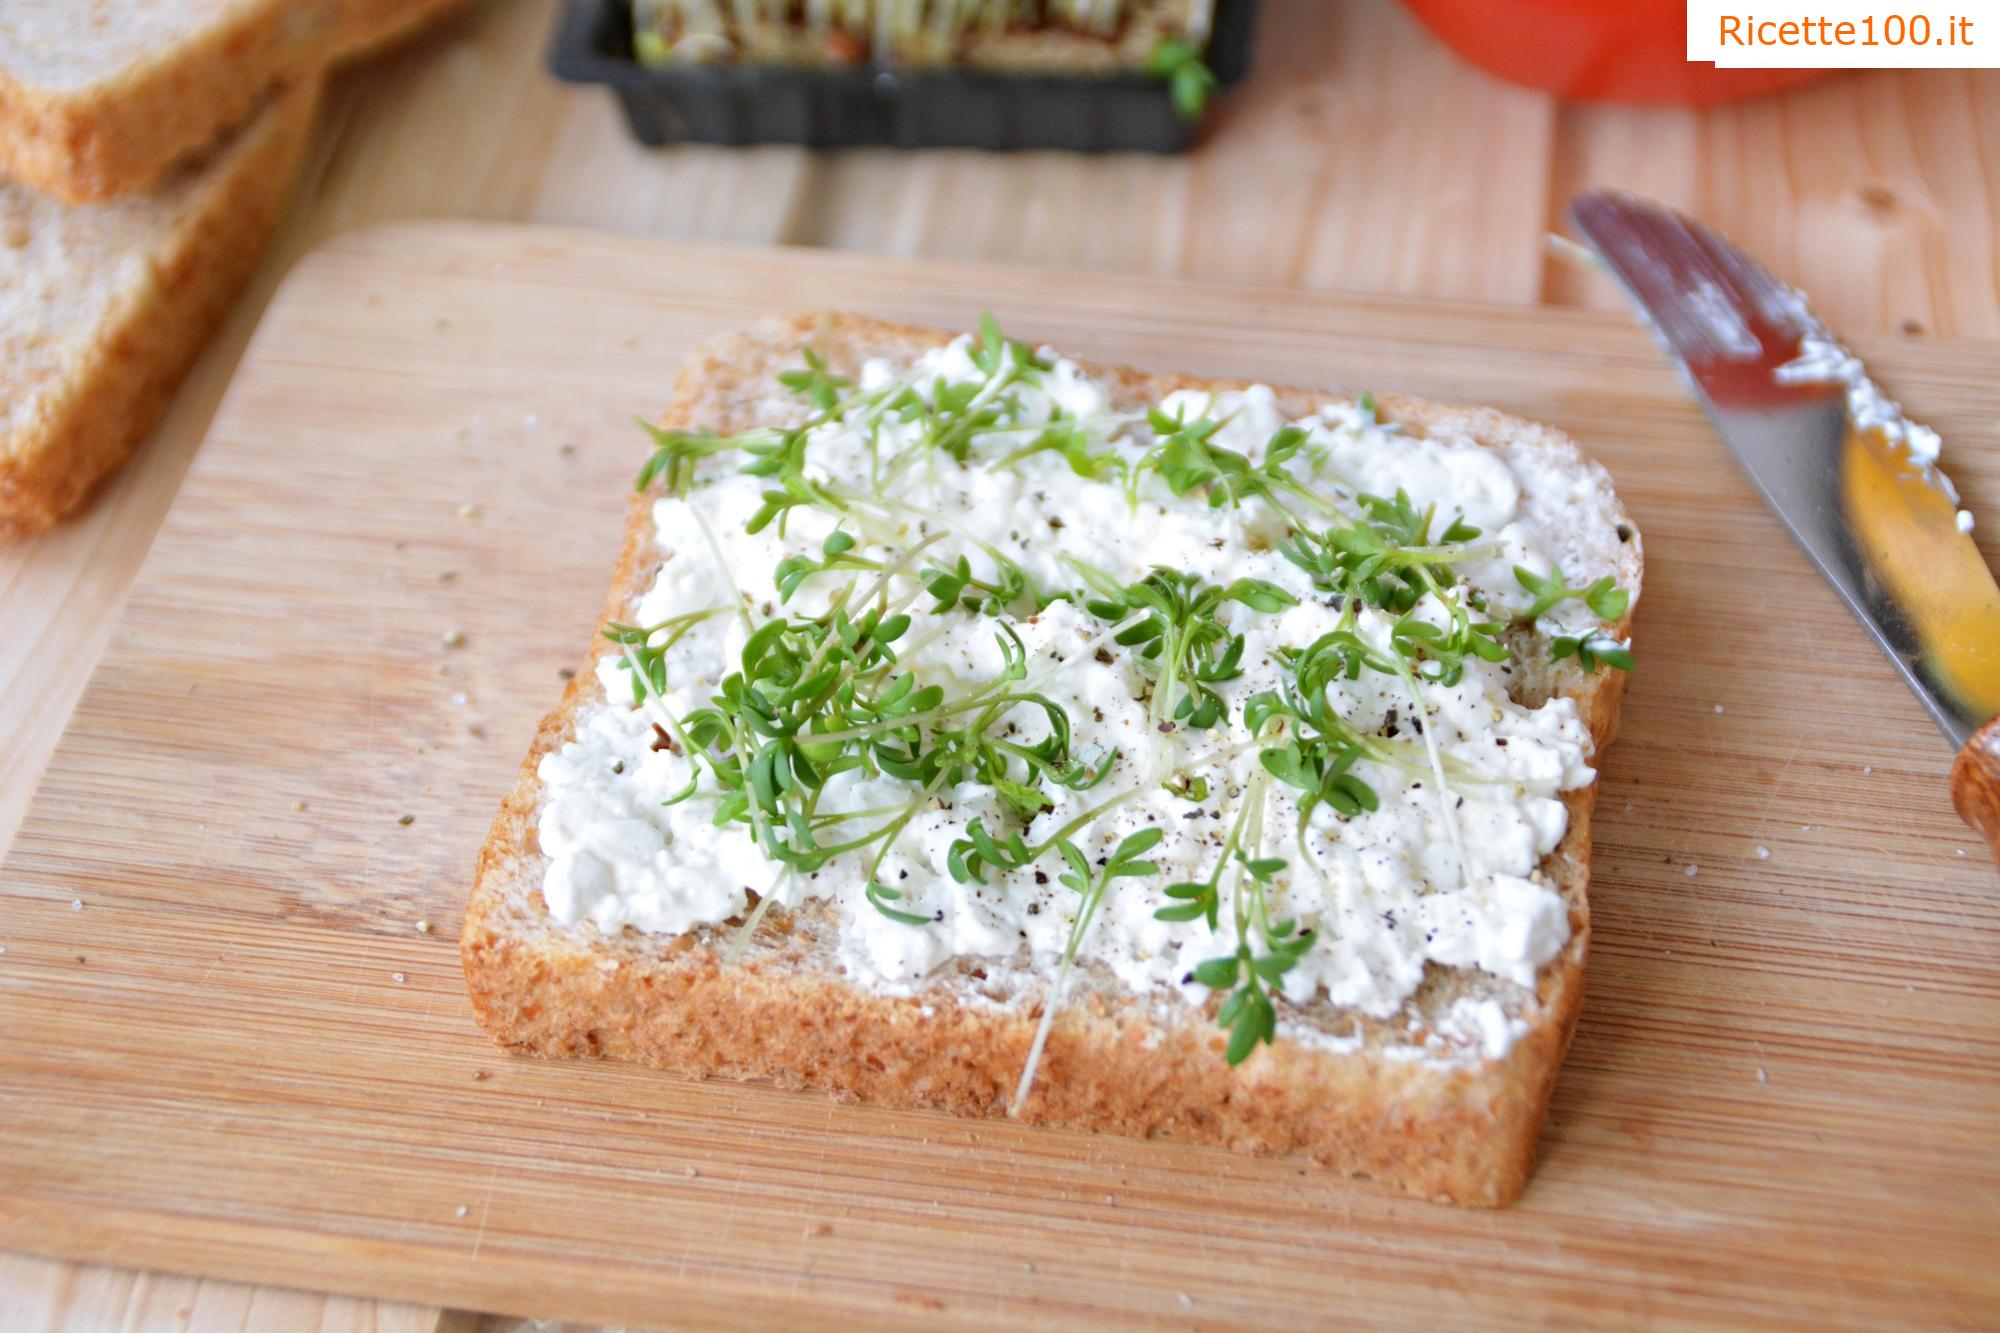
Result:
{"points": [[233, 1038]]}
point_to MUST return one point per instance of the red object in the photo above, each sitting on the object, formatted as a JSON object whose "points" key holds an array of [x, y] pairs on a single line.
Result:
{"points": [[1606, 50]]}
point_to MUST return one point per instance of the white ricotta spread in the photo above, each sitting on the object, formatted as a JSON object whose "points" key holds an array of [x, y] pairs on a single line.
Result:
{"points": [[1823, 359], [1385, 892]]}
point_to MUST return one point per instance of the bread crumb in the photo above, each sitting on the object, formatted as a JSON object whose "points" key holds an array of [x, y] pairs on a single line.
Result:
{"points": [[406, 820], [1029, 1266], [446, 576], [1763, 853], [1692, 871], [480, 1076], [1868, 768], [76, 904], [565, 673], [476, 730], [298, 807], [468, 512], [460, 1211], [423, 925], [454, 638], [1187, 1301], [396, 977], [690, 1172], [1762, 1077], [1718, 708], [461, 698]]}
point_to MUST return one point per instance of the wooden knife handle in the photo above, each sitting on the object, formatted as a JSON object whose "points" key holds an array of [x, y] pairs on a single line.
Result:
{"points": [[1975, 783]]}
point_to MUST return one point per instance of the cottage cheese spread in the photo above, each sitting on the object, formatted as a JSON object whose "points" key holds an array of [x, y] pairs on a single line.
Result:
{"points": [[1823, 359], [1385, 892]]}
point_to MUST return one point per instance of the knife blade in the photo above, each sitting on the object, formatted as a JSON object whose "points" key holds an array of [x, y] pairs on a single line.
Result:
{"points": [[1856, 483]]}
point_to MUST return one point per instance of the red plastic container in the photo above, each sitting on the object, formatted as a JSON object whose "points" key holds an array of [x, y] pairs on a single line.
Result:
{"points": [[1605, 50]]}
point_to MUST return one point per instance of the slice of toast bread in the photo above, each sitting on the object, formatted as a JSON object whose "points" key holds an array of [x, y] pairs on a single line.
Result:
{"points": [[100, 99], [104, 306], [1414, 1105]]}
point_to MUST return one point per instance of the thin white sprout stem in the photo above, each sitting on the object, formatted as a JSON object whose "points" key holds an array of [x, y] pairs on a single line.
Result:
{"points": [[722, 567]]}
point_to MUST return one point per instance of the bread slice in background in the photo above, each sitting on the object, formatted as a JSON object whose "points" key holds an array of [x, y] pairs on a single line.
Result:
{"points": [[104, 306], [1459, 1128], [102, 98]]}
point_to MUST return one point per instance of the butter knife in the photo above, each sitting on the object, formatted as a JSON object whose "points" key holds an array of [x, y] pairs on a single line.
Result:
{"points": [[1856, 482]]}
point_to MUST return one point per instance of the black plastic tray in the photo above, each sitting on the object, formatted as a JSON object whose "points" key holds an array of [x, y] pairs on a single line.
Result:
{"points": [[881, 105]]}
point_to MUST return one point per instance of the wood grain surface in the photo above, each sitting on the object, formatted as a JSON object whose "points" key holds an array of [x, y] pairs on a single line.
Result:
{"points": [[1360, 156], [232, 1048]]}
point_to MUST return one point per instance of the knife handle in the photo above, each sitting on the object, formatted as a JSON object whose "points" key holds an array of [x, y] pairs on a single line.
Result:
{"points": [[1975, 783]]}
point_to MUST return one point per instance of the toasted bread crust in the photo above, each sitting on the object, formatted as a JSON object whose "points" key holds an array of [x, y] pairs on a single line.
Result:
{"points": [[1460, 1131], [120, 136], [109, 398]]}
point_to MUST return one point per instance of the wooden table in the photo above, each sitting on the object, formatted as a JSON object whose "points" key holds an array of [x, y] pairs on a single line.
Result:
{"points": [[1361, 156]]}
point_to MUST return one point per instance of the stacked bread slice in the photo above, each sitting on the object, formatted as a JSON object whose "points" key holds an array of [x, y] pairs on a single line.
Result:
{"points": [[146, 156]]}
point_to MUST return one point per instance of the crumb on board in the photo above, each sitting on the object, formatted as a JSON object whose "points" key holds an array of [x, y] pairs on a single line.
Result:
{"points": [[1692, 871], [468, 512], [396, 977], [1762, 1077], [406, 820], [454, 638], [423, 925], [298, 807], [76, 904], [460, 1211]]}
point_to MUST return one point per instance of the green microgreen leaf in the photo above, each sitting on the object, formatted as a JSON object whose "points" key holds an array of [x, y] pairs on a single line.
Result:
{"points": [[1189, 80]]}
